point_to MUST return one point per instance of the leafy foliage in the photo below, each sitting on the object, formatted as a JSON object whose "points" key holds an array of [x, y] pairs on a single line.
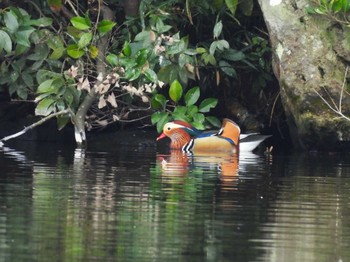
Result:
{"points": [[188, 111], [151, 62], [330, 6], [24, 49], [334, 9]]}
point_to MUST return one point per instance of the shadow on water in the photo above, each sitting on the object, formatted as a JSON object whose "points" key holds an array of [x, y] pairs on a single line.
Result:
{"points": [[127, 203]]}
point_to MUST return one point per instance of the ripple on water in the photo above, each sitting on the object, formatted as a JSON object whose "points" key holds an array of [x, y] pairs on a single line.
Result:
{"points": [[307, 220]]}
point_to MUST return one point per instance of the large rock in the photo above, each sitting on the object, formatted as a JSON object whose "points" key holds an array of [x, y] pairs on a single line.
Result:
{"points": [[310, 56]]}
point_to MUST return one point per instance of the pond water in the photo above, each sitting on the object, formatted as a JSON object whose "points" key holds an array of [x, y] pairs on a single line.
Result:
{"points": [[58, 203]]}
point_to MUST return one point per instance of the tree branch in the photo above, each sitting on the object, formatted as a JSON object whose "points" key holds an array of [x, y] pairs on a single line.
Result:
{"points": [[79, 119], [336, 108], [40, 122]]}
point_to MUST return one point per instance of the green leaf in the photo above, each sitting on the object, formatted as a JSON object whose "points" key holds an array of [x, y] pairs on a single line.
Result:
{"points": [[55, 42], [132, 73], [126, 49], [209, 59], [38, 64], [190, 51], [57, 53], [80, 23], [11, 22], [68, 97], [233, 55], [41, 52], [112, 59], [43, 75], [23, 34], [62, 121], [22, 92], [232, 5], [212, 47], [227, 68], [76, 95], [151, 75], [12, 88], [165, 118], [41, 22], [143, 36], [182, 117], [45, 107], [127, 62], [214, 121], [105, 26], [50, 86], [5, 42], [192, 110], [60, 105], [168, 74], [217, 29], [4, 68], [346, 6], [45, 87], [27, 79], [178, 47], [222, 44], [184, 59], [175, 91], [158, 101], [180, 110], [160, 27], [20, 49], [198, 125], [207, 104], [93, 51], [192, 96], [183, 76], [74, 51], [198, 117], [14, 76], [155, 117], [84, 40], [141, 57], [201, 50]]}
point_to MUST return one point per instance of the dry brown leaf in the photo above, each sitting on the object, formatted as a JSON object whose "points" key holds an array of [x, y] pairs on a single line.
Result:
{"points": [[111, 99]]}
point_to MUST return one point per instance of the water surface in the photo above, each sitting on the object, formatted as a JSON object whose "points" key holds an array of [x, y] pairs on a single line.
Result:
{"points": [[58, 203]]}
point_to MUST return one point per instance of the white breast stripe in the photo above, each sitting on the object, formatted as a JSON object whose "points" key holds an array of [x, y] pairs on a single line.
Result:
{"points": [[220, 132], [187, 148]]}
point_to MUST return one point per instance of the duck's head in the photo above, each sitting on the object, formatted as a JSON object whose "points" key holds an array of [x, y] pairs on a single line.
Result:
{"points": [[179, 132]]}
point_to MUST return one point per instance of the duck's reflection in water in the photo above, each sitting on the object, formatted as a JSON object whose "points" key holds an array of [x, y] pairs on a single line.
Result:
{"points": [[224, 166]]}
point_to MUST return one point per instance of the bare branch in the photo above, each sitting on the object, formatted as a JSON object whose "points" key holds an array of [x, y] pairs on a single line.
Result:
{"points": [[40, 122], [342, 88], [336, 108]]}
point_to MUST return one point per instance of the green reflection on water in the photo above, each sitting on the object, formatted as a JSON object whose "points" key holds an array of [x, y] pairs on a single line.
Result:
{"points": [[130, 207]]}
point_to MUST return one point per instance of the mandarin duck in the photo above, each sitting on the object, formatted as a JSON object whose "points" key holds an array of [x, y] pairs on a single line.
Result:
{"points": [[185, 137]]}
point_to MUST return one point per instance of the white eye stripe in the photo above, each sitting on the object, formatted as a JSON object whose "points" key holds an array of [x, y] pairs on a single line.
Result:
{"points": [[176, 126]]}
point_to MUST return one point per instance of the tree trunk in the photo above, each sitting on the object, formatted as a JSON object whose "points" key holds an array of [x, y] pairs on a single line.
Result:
{"points": [[311, 72], [79, 118]]}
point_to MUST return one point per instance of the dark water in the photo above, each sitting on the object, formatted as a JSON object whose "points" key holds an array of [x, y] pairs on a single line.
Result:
{"points": [[134, 204]]}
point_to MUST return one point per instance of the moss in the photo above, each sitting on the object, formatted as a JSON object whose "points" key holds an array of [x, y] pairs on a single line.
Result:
{"points": [[346, 40]]}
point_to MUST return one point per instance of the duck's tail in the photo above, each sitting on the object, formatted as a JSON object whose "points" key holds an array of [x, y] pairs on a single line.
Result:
{"points": [[230, 130], [248, 142]]}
